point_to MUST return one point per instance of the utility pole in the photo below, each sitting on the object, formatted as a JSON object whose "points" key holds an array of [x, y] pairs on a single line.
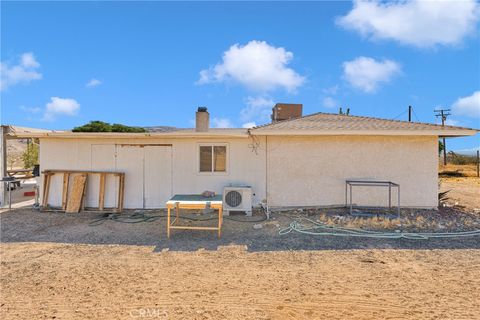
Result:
{"points": [[409, 113], [443, 113]]}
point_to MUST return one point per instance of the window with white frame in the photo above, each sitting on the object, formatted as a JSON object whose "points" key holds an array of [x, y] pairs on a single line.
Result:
{"points": [[213, 158]]}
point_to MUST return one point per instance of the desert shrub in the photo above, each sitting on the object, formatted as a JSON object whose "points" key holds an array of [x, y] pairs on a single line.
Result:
{"points": [[30, 156], [460, 159]]}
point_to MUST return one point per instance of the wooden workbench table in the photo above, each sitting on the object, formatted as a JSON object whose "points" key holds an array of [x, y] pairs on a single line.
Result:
{"points": [[193, 202]]}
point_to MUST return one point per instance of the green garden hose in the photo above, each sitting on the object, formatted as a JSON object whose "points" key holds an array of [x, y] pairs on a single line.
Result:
{"points": [[320, 229]]}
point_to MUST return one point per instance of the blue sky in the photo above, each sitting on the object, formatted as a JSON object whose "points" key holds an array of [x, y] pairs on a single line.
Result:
{"points": [[154, 63]]}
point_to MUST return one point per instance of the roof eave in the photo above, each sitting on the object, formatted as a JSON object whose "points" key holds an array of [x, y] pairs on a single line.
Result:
{"points": [[115, 135], [290, 132]]}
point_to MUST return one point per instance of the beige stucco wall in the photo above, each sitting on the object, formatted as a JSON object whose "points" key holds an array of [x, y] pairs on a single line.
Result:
{"points": [[288, 171], [244, 166], [312, 170]]}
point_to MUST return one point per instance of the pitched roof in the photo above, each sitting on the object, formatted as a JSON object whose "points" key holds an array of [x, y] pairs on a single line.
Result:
{"points": [[333, 124]]}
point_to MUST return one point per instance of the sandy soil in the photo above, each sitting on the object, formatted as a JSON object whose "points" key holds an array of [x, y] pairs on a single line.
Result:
{"points": [[40, 280], [463, 191], [466, 170]]}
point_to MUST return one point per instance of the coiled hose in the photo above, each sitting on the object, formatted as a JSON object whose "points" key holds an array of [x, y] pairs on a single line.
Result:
{"points": [[138, 217], [320, 229]]}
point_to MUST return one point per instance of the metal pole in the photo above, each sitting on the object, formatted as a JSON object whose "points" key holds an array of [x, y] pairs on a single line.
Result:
{"points": [[444, 143], [351, 205], [409, 113], [9, 184], [398, 202], [443, 114], [444, 152], [346, 192], [389, 196], [3, 163]]}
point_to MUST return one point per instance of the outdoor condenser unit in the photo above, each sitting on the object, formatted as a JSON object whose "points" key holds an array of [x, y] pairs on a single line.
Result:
{"points": [[237, 199]]}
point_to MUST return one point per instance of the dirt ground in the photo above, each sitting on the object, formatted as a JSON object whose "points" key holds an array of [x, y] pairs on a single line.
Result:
{"points": [[64, 266], [464, 192], [48, 281], [61, 266]]}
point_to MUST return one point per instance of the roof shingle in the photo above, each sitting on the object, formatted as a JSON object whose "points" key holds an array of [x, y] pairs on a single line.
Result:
{"points": [[322, 122]]}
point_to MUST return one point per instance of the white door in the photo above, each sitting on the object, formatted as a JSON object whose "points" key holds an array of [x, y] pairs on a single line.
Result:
{"points": [[148, 175], [103, 159], [130, 160], [158, 176]]}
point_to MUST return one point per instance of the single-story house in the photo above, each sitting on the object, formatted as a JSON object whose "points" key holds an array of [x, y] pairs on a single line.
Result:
{"points": [[293, 161]]}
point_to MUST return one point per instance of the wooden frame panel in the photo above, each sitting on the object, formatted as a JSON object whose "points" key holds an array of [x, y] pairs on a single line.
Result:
{"points": [[66, 179]]}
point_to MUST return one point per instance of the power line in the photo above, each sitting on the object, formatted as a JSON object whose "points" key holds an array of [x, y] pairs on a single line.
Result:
{"points": [[401, 114], [415, 114]]}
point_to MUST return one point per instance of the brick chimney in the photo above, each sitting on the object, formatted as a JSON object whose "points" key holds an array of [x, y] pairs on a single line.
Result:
{"points": [[285, 111], [202, 119]]}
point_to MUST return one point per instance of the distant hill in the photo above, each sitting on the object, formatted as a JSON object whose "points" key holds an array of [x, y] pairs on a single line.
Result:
{"points": [[15, 149], [467, 152]]}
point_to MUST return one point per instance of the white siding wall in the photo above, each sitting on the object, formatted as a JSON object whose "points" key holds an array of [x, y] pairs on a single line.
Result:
{"points": [[312, 170], [244, 167], [301, 171]]}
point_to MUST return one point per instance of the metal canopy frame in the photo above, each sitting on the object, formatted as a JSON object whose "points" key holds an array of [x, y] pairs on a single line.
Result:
{"points": [[349, 184]]}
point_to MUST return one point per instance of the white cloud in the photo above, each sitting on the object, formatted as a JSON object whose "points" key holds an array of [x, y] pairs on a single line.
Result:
{"points": [[257, 108], [23, 72], [28, 60], [367, 74], [329, 102], [331, 90], [468, 106], [60, 106], [93, 83], [249, 125], [221, 123], [452, 122], [419, 23], [31, 109], [256, 65]]}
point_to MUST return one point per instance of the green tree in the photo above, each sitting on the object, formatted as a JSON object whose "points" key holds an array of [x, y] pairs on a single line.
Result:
{"points": [[122, 128], [30, 156], [94, 126], [100, 126]]}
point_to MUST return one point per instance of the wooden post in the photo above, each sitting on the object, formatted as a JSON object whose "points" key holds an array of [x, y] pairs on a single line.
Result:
{"points": [[121, 190], [66, 178], [84, 198], [168, 222], [46, 188], [101, 195], [220, 218]]}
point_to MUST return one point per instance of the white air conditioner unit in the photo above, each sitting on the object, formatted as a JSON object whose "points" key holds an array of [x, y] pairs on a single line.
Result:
{"points": [[237, 199]]}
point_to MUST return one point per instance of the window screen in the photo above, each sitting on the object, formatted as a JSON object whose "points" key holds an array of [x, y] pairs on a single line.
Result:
{"points": [[213, 158], [205, 159], [220, 158]]}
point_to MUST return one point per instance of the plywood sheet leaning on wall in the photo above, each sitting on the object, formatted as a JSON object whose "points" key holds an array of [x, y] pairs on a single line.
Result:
{"points": [[77, 193], [74, 196]]}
